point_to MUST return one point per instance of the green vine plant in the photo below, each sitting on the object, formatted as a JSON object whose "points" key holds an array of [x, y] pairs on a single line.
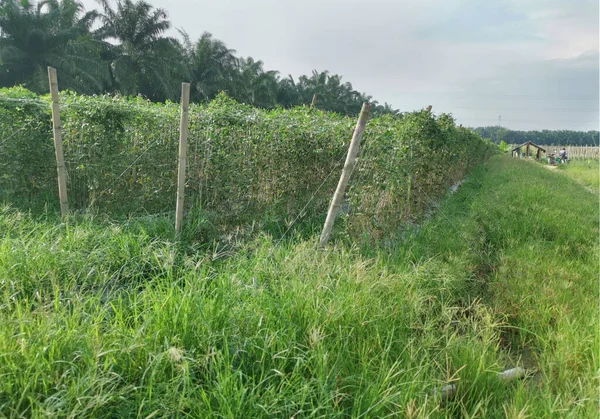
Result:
{"points": [[244, 164]]}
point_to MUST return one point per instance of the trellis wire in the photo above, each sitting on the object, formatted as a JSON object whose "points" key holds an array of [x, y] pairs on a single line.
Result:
{"points": [[245, 161]]}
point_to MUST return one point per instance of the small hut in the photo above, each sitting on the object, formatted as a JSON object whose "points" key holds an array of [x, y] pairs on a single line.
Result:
{"points": [[516, 152]]}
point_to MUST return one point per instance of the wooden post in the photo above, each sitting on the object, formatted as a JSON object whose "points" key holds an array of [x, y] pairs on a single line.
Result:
{"points": [[183, 131], [314, 100], [134, 168], [346, 172], [58, 148]]}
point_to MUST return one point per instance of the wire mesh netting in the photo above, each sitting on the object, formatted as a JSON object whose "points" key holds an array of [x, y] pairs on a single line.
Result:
{"points": [[242, 163]]}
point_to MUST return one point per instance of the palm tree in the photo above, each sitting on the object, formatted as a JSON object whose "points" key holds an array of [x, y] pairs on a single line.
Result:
{"points": [[332, 94], [289, 93], [254, 85], [141, 60], [213, 66], [386, 108], [51, 33]]}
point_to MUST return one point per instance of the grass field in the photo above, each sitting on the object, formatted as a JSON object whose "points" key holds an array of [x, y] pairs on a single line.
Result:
{"points": [[99, 319], [586, 172]]}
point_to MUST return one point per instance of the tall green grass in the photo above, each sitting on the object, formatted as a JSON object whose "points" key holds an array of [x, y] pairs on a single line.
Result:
{"points": [[99, 319], [586, 172], [536, 232]]}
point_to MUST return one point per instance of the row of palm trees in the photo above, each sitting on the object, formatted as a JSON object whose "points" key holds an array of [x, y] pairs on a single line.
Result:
{"points": [[124, 48]]}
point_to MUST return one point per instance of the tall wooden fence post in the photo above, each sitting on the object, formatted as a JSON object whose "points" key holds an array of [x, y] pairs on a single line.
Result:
{"points": [[183, 131], [345, 177], [58, 146]]}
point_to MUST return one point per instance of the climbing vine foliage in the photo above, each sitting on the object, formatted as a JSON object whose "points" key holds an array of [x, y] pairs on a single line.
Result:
{"points": [[244, 163]]}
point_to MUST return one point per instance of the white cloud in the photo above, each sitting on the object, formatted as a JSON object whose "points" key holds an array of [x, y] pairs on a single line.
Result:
{"points": [[570, 28], [475, 58]]}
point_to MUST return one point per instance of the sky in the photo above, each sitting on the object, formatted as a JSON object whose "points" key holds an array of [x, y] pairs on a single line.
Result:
{"points": [[522, 64]]}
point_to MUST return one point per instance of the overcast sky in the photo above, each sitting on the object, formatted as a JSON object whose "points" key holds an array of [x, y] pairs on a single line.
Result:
{"points": [[530, 64]]}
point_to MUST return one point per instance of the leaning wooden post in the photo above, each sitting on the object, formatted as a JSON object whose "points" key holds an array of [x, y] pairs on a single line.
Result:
{"points": [[58, 147], [346, 172], [183, 131]]}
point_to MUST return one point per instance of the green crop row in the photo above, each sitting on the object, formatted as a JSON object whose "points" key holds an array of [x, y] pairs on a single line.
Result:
{"points": [[244, 163]]}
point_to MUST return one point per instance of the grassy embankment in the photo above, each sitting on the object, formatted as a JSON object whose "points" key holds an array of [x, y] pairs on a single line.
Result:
{"points": [[586, 172], [106, 320]]}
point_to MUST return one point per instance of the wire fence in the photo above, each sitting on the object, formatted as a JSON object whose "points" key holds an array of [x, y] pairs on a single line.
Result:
{"points": [[578, 152], [243, 164], [121, 156]]}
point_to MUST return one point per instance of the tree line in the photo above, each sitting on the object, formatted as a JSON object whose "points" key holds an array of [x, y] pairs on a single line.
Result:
{"points": [[123, 48], [497, 134]]}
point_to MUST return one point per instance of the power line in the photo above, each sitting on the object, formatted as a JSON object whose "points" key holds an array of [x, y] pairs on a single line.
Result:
{"points": [[530, 120], [509, 96], [527, 109]]}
